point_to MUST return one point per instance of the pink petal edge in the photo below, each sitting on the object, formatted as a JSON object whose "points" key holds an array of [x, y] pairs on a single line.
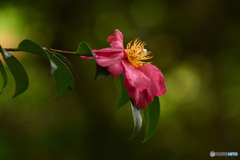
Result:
{"points": [[116, 39], [134, 77]]}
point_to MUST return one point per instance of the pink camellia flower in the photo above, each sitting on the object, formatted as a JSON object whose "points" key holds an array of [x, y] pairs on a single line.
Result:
{"points": [[142, 79]]}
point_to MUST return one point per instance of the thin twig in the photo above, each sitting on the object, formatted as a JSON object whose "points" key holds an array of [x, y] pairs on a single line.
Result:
{"points": [[46, 49]]}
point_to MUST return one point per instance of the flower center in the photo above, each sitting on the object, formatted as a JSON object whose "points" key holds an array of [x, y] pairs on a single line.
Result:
{"points": [[136, 53]]}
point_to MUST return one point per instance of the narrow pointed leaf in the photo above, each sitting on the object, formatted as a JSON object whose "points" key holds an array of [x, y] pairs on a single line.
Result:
{"points": [[32, 47], [4, 76], [63, 77], [17, 70], [151, 117], [84, 49], [122, 94], [101, 72], [137, 120]]}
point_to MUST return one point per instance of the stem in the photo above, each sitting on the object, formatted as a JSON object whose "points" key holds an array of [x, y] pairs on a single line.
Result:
{"points": [[46, 49], [59, 51], [12, 49]]}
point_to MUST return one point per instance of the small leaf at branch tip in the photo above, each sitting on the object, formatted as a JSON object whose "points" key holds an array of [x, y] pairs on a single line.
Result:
{"points": [[84, 49]]}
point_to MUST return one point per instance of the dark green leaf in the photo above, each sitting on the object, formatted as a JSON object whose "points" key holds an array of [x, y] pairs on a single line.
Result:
{"points": [[151, 117], [17, 71], [4, 75], [122, 94], [69, 64], [64, 59], [63, 77], [32, 47], [84, 49], [101, 72], [137, 120]]}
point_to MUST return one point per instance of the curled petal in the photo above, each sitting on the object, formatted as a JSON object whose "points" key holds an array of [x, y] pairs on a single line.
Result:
{"points": [[108, 56], [105, 61], [134, 95], [87, 57], [139, 98], [150, 97], [107, 52], [116, 69], [143, 99], [134, 77], [116, 39], [157, 85], [117, 44]]}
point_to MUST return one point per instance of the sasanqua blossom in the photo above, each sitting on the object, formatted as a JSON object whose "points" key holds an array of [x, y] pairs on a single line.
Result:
{"points": [[142, 79]]}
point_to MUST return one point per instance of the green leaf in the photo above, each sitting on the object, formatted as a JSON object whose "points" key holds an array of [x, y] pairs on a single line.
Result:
{"points": [[151, 117], [84, 49], [32, 47], [69, 65], [4, 75], [17, 70], [101, 72], [63, 77], [122, 94], [64, 59], [137, 120]]}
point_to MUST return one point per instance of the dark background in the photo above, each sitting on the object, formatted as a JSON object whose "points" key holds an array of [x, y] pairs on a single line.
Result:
{"points": [[196, 44]]}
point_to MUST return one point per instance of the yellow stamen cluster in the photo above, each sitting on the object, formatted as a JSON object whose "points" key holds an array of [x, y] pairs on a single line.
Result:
{"points": [[136, 53]]}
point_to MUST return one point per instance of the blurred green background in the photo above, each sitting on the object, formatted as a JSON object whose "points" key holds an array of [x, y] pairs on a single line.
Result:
{"points": [[196, 44]]}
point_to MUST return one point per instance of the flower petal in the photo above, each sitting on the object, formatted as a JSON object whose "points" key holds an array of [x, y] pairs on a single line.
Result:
{"points": [[108, 56], [143, 99], [87, 57], [150, 95], [134, 77], [117, 44], [157, 85], [139, 98], [116, 69], [134, 95], [105, 61], [107, 51], [116, 39]]}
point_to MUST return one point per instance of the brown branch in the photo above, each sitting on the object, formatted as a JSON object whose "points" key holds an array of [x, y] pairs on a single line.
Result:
{"points": [[59, 51], [12, 49], [50, 49]]}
